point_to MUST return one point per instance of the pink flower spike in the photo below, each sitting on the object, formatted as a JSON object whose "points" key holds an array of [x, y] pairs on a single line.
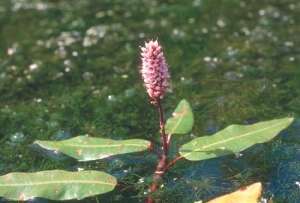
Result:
{"points": [[155, 79]]}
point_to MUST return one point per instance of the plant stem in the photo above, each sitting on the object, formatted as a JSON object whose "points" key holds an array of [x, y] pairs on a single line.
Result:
{"points": [[160, 169], [126, 187], [163, 160], [162, 128], [155, 151], [172, 162]]}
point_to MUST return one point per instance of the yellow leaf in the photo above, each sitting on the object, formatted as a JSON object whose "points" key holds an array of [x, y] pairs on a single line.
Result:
{"points": [[247, 194]]}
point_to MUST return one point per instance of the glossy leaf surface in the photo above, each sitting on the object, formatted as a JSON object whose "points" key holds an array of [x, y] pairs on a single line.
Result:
{"points": [[232, 139], [86, 148], [55, 185], [248, 194], [182, 120]]}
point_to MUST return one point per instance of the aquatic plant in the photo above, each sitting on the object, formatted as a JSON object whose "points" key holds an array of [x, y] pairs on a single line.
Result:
{"points": [[66, 185]]}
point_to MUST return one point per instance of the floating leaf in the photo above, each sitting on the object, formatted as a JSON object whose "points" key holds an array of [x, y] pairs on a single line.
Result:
{"points": [[232, 139], [182, 120], [86, 148], [248, 194], [55, 185]]}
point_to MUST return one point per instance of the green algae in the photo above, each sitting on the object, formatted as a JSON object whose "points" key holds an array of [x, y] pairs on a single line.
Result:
{"points": [[74, 67]]}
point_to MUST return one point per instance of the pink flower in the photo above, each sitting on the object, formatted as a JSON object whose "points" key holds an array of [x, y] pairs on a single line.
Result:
{"points": [[154, 70]]}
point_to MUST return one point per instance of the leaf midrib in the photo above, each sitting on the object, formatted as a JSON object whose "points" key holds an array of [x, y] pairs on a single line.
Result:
{"points": [[95, 146], [56, 182], [229, 139], [181, 117]]}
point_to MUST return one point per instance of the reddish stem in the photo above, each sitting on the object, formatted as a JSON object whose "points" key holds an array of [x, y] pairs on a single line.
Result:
{"points": [[162, 128], [126, 187], [155, 151], [172, 162], [163, 159]]}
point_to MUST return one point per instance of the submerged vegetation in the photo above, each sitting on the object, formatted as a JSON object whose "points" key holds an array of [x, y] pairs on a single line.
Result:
{"points": [[72, 68]]}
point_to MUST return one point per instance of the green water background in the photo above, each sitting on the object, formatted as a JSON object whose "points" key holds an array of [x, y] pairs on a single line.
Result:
{"points": [[70, 68]]}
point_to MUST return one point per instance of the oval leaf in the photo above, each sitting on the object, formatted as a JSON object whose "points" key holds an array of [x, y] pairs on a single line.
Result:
{"points": [[86, 148], [55, 185], [182, 120], [247, 194], [232, 139]]}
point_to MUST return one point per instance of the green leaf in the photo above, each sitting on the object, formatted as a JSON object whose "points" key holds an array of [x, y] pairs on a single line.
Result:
{"points": [[55, 185], [232, 139], [182, 120], [86, 148]]}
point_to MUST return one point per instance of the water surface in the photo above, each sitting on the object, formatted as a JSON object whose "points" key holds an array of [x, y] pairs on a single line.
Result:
{"points": [[70, 68]]}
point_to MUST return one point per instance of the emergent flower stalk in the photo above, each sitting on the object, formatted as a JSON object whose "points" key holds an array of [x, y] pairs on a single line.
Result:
{"points": [[155, 73]]}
